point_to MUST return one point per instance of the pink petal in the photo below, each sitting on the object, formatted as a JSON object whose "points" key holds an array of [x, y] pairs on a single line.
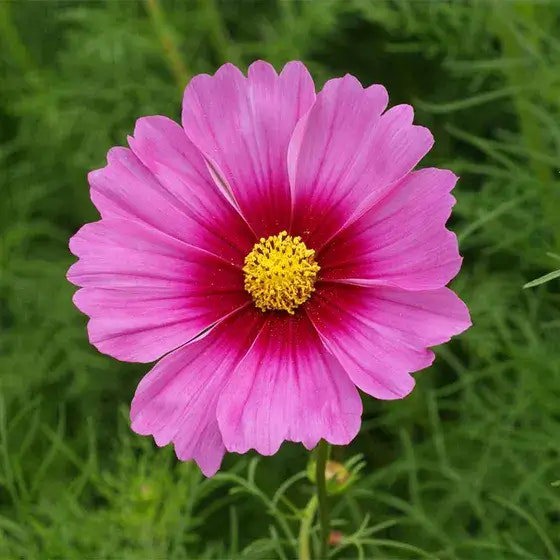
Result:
{"points": [[417, 319], [243, 126], [346, 154], [402, 241], [288, 388], [164, 182], [176, 401], [374, 354], [147, 293]]}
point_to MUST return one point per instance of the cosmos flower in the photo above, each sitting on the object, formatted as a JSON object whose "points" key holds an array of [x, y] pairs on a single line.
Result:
{"points": [[276, 253]]}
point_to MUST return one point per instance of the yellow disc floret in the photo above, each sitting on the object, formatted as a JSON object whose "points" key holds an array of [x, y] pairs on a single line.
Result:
{"points": [[280, 272]]}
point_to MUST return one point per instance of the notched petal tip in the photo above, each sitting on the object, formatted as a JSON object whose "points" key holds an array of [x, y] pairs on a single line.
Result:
{"points": [[77, 248], [402, 111], [144, 124], [261, 67], [227, 69], [224, 69], [461, 314], [405, 114], [70, 275], [264, 450], [350, 78], [78, 299], [116, 155], [79, 243], [294, 65], [393, 392], [207, 470], [345, 85], [93, 175], [425, 136], [73, 250], [407, 383], [208, 466], [378, 92]]}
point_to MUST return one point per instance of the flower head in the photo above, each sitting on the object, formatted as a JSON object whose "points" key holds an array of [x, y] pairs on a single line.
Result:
{"points": [[277, 252]]}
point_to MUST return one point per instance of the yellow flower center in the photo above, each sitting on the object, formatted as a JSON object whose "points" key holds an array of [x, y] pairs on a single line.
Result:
{"points": [[280, 272]]}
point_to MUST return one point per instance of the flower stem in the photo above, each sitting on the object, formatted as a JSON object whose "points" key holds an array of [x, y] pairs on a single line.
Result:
{"points": [[322, 457]]}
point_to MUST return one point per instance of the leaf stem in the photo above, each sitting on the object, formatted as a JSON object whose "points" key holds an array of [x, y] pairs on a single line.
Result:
{"points": [[305, 528], [322, 497]]}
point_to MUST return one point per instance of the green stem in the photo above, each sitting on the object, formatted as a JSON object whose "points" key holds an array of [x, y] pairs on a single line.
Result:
{"points": [[168, 43], [322, 457], [305, 529]]}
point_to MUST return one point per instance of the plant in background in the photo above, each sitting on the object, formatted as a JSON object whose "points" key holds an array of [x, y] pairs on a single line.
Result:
{"points": [[547, 277], [482, 424], [277, 252]]}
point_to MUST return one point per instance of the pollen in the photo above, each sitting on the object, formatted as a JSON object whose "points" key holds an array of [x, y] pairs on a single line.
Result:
{"points": [[280, 273]]}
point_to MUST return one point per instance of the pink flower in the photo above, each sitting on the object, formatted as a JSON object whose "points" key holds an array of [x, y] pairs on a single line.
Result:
{"points": [[277, 252]]}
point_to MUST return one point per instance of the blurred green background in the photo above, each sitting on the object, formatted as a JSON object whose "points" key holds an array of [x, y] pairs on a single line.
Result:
{"points": [[467, 468]]}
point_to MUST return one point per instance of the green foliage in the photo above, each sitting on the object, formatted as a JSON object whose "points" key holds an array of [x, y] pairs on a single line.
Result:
{"points": [[466, 468]]}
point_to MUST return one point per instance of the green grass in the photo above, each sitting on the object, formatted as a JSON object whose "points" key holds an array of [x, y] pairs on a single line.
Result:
{"points": [[467, 467]]}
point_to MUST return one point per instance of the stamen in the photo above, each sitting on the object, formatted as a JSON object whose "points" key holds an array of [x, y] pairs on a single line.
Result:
{"points": [[280, 272]]}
